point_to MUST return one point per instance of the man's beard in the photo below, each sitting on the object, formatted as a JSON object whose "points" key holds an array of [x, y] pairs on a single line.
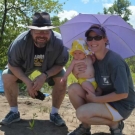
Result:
{"points": [[40, 44]]}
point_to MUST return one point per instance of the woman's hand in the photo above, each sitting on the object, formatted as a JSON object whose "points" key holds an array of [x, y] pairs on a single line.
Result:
{"points": [[98, 92], [79, 68], [90, 97]]}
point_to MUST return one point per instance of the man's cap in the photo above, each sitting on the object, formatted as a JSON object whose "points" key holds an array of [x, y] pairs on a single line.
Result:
{"points": [[41, 21]]}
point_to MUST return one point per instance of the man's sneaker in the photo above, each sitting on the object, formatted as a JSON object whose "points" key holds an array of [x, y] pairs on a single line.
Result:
{"points": [[118, 131], [57, 120], [80, 131], [10, 118]]}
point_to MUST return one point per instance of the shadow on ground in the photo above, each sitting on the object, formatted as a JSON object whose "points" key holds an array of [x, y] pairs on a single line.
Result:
{"points": [[101, 133], [41, 127]]}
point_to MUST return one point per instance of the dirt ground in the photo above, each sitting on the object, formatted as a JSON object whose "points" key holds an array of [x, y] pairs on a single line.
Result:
{"points": [[40, 110]]}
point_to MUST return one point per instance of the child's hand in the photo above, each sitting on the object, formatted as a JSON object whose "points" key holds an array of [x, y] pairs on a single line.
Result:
{"points": [[93, 57], [63, 79]]}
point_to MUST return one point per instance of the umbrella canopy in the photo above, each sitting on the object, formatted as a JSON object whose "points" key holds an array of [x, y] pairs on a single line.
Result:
{"points": [[120, 34]]}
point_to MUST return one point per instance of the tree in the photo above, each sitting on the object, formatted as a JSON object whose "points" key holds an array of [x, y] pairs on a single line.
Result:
{"points": [[56, 22], [15, 15], [120, 7]]}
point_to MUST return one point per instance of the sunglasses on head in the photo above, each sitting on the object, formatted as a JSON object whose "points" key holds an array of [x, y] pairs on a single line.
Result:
{"points": [[96, 38]]}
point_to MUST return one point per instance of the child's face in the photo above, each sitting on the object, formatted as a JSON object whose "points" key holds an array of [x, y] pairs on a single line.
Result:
{"points": [[79, 55]]}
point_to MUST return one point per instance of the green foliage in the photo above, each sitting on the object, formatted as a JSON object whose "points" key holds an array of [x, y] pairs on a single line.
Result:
{"points": [[32, 123], [120, 7], [133, 77], [131, 63], [56, 22]]}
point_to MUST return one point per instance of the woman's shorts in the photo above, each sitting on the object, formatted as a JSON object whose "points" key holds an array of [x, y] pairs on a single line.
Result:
{"points": [[115, 114]]}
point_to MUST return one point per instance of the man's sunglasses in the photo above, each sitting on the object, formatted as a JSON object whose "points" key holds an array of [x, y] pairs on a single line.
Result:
{"points": [[97, 38]]}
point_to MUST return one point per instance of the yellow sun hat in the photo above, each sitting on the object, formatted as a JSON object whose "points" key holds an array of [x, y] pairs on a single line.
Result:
{"points": [[80, 45]]}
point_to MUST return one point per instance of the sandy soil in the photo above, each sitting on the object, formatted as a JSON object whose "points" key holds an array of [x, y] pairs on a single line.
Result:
{"points": [[40, 110]]}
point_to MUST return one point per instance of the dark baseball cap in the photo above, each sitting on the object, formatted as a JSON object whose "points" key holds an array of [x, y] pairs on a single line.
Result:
{"points": [[97, 29]]}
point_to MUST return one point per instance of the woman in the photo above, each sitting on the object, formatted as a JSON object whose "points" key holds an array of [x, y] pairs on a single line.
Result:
{"points": [[117, 97]]}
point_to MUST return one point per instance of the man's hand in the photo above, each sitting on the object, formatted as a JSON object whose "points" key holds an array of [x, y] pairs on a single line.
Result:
{"points": [[29, 85], [79, 68], [38, 82]]}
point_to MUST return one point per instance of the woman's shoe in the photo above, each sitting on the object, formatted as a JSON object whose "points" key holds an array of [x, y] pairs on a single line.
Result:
{"points": [[118, 130]]}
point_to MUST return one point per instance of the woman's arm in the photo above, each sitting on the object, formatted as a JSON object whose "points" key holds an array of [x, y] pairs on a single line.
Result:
{"points": [[105, 98], [111, 97]]}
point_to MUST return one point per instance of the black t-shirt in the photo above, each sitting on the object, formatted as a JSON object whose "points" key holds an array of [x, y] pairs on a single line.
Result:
{"points": [[112, 74], [39, 56]]}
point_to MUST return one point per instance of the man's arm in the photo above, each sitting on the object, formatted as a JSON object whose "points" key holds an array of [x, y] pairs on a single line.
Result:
{"points": [[17, 71], [54, 70]]}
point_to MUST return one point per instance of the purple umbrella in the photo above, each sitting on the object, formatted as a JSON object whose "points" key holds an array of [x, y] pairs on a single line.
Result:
{"points": [[120, 34]]}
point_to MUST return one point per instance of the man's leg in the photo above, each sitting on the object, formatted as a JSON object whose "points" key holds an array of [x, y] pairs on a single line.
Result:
{"points": [[11, 92], [10, 88], [58, 93]]}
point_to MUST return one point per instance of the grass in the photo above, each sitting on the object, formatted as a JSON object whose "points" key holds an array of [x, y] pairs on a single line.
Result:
{"points": [[133, 77]]}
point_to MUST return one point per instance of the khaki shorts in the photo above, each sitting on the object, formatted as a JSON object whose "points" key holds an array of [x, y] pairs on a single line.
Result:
{"points": [[50, 80]]}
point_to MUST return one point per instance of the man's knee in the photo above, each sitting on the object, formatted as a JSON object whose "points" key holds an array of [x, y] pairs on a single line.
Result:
{"points": [[8, 78]]}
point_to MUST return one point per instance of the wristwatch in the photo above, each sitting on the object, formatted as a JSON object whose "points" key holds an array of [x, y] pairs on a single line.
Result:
{"points": [[46, 74]]}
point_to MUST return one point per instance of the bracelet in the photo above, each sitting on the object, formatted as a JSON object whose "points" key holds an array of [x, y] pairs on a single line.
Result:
{"points": [[46, 74]]}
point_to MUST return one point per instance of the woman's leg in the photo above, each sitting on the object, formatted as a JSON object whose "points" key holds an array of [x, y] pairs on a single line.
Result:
{"points": [[77, 98], [96, 114], [76, 95]]}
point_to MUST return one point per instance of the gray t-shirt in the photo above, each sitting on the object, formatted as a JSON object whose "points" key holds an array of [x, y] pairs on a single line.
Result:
{"points": [[113, 75]]}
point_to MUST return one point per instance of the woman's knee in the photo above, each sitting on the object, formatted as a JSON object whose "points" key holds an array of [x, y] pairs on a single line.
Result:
{"points": [[73, 88], [87, 111], [81, 114]]}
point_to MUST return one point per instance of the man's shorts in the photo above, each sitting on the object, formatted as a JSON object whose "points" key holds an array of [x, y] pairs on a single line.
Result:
{"points": [[50, 80]]}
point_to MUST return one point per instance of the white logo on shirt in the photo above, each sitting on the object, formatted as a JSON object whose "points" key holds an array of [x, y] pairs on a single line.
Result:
{"points": [[106, 80]]}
